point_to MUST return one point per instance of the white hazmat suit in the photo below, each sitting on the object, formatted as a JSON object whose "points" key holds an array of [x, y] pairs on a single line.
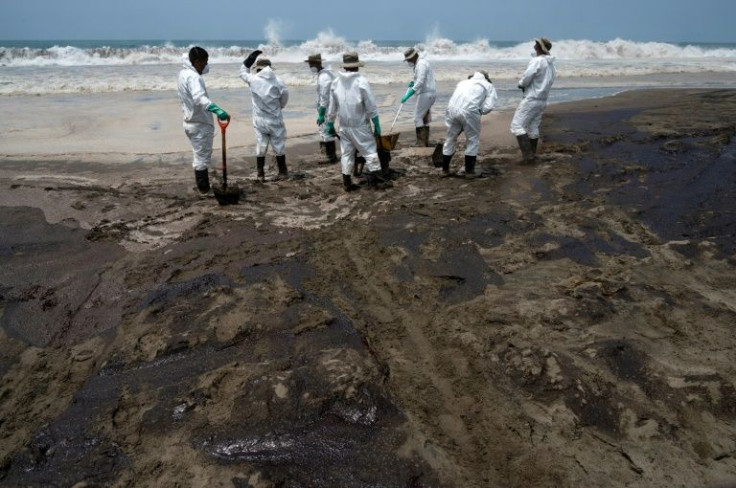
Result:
{"points": [[352, 102], [426, 92], [269, 95], [198, 122], [536, 82], [324, 80], [472, 98]]}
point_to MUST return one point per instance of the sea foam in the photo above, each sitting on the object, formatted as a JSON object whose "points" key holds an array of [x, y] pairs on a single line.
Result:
{"points": [[117, 66]]}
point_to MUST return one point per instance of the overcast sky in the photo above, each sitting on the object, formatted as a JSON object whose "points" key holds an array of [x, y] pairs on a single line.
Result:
{"points": [[600, 20]]}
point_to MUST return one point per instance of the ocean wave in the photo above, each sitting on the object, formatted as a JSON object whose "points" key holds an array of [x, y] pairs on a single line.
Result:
{"points": [[332, 46]]}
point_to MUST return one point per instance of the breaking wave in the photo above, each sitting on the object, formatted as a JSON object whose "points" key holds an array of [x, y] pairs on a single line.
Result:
{"points": [[117, 66], [332, 46]]}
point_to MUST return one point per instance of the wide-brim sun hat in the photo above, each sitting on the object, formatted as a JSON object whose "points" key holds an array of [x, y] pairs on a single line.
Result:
{"points": [[410, 53], [351, 60], [544, 44], [314, 59]]}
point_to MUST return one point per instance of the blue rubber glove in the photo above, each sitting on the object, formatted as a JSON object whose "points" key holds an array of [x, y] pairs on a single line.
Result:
{"points": [[221, 114], [408, 95], [331, 129], [411, 84], [376, 126], [321, 111]]}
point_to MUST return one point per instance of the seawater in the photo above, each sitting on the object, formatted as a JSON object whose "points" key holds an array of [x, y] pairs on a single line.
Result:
{"points": [[54, 67]]}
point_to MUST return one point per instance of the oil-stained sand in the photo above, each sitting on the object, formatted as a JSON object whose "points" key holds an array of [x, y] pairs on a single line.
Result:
{"points": [[567, 323]]}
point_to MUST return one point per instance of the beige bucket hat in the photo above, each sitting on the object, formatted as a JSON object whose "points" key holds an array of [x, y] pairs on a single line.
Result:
{"points": [[410, 53], [544, 44], [351, 60]]}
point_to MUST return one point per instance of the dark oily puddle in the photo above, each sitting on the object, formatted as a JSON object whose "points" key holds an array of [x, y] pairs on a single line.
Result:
{"points": [[47, 272], [353, 447], [680, 186], [297, 397], [453, 259]]}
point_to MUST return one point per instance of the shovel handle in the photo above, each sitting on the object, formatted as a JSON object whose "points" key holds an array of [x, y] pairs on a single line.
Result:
{"points": [[224, 123], [223, 126], [390, 131]]}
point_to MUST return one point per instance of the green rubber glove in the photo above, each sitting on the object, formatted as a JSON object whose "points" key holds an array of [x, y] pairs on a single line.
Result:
{"points": [[331, 129], [321, 111], [221, 114], [408, 95], [376, 126], [411, 84]]}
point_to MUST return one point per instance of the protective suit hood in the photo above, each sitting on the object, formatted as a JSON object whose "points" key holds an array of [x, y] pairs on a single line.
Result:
{"points": [[267, 74], [186, 64], [479, 76], [348, 74]]}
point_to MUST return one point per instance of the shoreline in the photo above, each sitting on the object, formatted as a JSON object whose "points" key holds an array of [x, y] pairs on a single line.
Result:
{"points": [[145, 126]]}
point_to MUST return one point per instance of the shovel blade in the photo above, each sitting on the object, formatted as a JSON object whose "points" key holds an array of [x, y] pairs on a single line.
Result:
{"points": [[229, 195]]}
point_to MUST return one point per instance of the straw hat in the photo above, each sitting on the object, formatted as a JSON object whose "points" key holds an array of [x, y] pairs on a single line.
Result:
{"points": [[410, 53], [262, 63], [544, 44], [350, 60], [314, 59]]}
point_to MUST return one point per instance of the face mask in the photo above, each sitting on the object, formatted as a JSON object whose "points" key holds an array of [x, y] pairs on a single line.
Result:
{"points": [[533, 54], [206, 69], [314, 70]]}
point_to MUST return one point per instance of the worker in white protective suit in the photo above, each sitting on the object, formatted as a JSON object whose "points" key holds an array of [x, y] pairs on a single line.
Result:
{"points": [[198, 109], [352, 102], [472, 98], [536, 84], [269, 96], [325, 77], [424, 86]]}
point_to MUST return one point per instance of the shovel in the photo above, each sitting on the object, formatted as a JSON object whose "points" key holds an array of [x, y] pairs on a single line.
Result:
{"points": [[395, 118], [225, 195], [388, 142]]}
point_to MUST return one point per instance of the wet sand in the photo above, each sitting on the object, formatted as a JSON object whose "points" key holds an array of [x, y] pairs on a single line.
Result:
{"points": [[566, 323]]}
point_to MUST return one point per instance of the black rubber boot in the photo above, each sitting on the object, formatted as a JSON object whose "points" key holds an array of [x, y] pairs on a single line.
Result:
{"points": [[331, 152], [385, 170], [359, 164], [283, 172], [470, 167], [533, 143], [347, 183], [203, 180], [525, 145], [446, 165], [260, 165], [423, 136]]}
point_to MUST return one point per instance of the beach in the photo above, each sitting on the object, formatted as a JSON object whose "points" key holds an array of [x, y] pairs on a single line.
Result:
{"points": [[564, 323]]}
